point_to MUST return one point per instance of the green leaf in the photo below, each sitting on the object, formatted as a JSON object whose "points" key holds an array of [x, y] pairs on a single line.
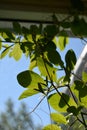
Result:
{"points": [[17, 27], [26, 47], [84, 76], [66, 24], [62, 82], [62, 42], [52, 127], [51, 31], [5, 52], [29, 38], [70, 59], [33, 64], [3, 34], [29, 79], [16, 52], [25, 31], [74, 110], [40, 89], [50, 45], [54, 57], [0, 44], [34, 30], [58, 104], [47, 66], [80, 90], [58, 118], [27, 93], [9, 34], [78, 25]]}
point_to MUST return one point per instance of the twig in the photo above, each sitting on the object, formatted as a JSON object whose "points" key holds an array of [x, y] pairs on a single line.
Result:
{"points": [[37, 105], [53, 84], [71, 93], [72, 123], [83, 119]]}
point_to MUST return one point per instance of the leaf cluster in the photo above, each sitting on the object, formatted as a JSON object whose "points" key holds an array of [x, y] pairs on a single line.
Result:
{"points": [[42, 44]]}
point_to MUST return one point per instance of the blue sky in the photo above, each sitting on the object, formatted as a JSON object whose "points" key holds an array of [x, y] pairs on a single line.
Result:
{"points": [[9, 87]]}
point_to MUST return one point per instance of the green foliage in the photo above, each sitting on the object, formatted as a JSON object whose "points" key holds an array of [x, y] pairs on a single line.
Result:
{"points": [[84, 76], [5, 52], [17, 27], [25, 79], [62, 41], [42, 45], [28, 92], [80, 90], [0, 45], [58, 118], [78, 25], [48, 67], [16, 53], [70, 59], [59, 104], [51, 127]]}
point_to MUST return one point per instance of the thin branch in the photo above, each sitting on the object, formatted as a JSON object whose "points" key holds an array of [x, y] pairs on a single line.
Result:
{"points": [[37, 105], [53, 84], [84, 113], [49, 111], [12, 42], [84, 40], [76, 76], [72, 93], [68, 17], [72, 123], [83, 119], [82, 122], [19, 126]]}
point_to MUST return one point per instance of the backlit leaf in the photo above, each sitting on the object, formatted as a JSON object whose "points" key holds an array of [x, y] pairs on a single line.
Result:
{"points": [[80, 90], [84, 76], [5, 52], [29, 79], [52, 127], [27, 93], [7, 34], [32, 64], [58, 118], [0, 44], [16, 52], [58, 103], [10, 34], [44, 67], [29, 37], [62, 82], [62, 42]]}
